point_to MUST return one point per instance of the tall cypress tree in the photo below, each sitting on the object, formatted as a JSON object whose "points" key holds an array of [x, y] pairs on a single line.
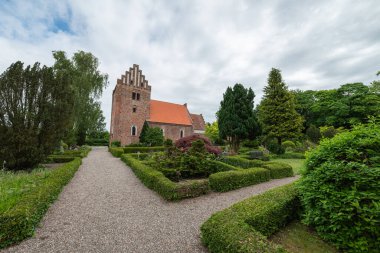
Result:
{"points": [[277, 111], [144, 131], [236, 118]]}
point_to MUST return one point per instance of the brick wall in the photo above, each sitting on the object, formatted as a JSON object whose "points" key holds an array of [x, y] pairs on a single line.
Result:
{"points": [[173, 131]]}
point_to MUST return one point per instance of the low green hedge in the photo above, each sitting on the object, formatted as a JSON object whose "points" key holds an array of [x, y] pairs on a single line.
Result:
{"points": [[230, 180], [128, 150], [156, 181], [59, 159], [242, 162], [244, 227], [278, 169], [218, 166], [116, 152], [290, 155], [20, 221]]}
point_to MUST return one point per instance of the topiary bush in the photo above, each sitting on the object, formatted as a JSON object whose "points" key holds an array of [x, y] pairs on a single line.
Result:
{"points": [[288, 145], [340, 189], [276, 148]]}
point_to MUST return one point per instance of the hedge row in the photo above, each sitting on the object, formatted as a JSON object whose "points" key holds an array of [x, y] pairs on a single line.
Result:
{"points": [[242, 162], [59, 159], [19, 222], [277, 169], [156, 181], [230, 180], [244, 227], [128, 150], [289, 156], [116, 152]]}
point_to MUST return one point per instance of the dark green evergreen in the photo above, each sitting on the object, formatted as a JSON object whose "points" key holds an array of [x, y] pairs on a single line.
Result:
{"points": [[144, 130], [236, 118], [36, 104], [277, 112]]}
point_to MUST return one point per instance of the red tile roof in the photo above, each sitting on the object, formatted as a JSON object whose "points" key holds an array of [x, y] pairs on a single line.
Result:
{"points": [[198, 121], [164, 112]]}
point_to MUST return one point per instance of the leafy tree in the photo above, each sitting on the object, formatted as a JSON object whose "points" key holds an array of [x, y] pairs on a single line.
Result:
{"points": [[235, 116], [212, 132], [313, 133], [36, 104], [88, 84], [154, 137], [144, 130], [277, 110]]}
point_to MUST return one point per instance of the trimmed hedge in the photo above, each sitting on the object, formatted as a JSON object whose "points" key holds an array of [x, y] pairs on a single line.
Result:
{"points": [[278, 169], [230, 180], [59, 159], [289, 155], [128, 150], [116, 152], [242, 162], [156, 181], [19, 222], [244, 227]]}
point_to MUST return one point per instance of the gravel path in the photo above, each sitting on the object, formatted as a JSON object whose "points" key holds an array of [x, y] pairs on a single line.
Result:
{"points": [[105, 208]]}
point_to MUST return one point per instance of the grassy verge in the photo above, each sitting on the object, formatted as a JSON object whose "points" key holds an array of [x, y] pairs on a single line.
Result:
{"points": [[298, 238], [25, 197], [297, 164]]}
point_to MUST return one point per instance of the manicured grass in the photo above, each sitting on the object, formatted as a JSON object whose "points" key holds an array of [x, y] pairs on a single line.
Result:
{"points": [[298, 238], [296, 164]]}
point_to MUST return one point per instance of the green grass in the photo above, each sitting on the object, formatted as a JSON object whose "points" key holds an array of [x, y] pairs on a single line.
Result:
{"points": [[298, 238], [13, 186], [297, 164]]}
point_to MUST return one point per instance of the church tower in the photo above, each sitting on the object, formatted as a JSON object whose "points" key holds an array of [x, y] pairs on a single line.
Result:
{"points": [[130, 106]]}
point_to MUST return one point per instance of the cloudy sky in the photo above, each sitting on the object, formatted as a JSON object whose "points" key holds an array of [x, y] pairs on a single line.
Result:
{"points": [[190, 51]]}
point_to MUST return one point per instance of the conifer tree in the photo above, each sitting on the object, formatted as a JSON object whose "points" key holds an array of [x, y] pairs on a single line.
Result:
{"points": [[277, 112], [235, 116], [144, 130]]}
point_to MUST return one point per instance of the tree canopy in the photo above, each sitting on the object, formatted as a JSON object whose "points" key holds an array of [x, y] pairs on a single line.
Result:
{"points": [[277, 112], [236, 117], [36, 104], [88, 84]]}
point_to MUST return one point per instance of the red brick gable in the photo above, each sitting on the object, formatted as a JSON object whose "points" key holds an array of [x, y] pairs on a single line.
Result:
{"points": [[164, 112], [198, 122]]}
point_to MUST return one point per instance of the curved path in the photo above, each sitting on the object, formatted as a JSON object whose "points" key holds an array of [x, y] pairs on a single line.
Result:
{"points": [[105, 208]]}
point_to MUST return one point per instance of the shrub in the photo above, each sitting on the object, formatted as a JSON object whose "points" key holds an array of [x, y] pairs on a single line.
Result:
{"points": [[278, 169], [244, 227], [288, 145], [340, 189], [241, 162], [186, 142], [115, 144], [19, 221], [156, 181], [275, 148], [116, 152], [314, 134], [128, 150], [251, 143], [290, 155], [97, 142], [230, 180], [59, 159]]}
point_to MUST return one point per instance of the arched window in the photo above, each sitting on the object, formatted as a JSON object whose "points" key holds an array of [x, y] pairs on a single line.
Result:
{"points": [[133, 130], [163, 131], [181, 134]]}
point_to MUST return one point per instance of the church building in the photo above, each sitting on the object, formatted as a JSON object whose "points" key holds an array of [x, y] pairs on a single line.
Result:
{"points": [[132, 106]]}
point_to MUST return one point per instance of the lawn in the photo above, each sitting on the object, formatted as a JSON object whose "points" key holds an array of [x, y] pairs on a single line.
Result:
{"points": [[297, 164], [14, 185], [298, 238]]}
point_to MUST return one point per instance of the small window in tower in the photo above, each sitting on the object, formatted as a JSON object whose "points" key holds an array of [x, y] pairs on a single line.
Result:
{"points": [[181, 134], [134, 109], [133, 130], [138, 96], [134, 95]]}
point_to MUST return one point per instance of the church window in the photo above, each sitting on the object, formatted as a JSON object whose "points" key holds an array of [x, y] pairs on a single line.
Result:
{"points": [[138, 96], [134, 95], [181, 134], [134, 109], [133, 130]]}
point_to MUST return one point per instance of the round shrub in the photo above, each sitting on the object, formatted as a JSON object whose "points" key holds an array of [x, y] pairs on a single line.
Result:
{"points": [[340, 189], [288, 145]]}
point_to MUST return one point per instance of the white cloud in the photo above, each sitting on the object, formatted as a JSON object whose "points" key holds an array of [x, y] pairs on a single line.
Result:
{"points": [[190, 51]]}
